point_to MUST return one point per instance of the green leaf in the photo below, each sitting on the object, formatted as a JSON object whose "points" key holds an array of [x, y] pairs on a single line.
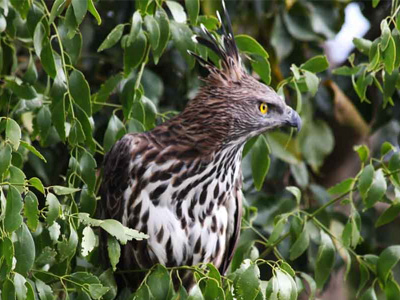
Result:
{"points": [[249, 45], [108, 281], [342, 188], [389, 215], [136, 27], [134, 53], [112, 38], [122, 233], [24, 250], [92, 9], [23, 91], [277, 231], [260, 161], [193, 8], [45, 292], [80, 8], [316, 142], [386, 148], [182, 37], [363, 152], [316, 64], [295, 192], [63, 190], [312, 82], [20, 288], [210, 22], [8, 290], [57, 9], [369, 294], [17, 178], [375, 3], [376, 190], [53, 208], [346, 71], [300, 174], [364, 277], [88, 241], [13, 133], [262, 67], [106, 89], [394, 167], [67, 248], [247, 285], [37, 184], [114, 251], [43, 120], [159, 283], [300, 245], [362, 45], [33, 150], [366, 178], [80, 91], [22, 6], [389, 56], [30, 291], [5, 158], [31, 211], [13, 218], [387, 260], [47, 58], [114, 131], [385, 36], [88, 166], [392, 290], [325, 260], [163, 23], [153, 30], [177, 11]]}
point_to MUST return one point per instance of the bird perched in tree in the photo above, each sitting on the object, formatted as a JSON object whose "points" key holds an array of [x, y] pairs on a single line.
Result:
{"points": [[181, 182]]}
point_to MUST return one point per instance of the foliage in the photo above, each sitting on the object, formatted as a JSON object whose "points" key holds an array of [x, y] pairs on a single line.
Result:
{"points": [[63, 106]]}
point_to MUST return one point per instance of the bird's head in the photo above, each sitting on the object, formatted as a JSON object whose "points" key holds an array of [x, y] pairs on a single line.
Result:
{"points": [[242, 106]]}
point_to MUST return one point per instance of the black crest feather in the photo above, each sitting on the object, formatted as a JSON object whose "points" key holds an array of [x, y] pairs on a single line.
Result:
{"points": [[226, 50]]}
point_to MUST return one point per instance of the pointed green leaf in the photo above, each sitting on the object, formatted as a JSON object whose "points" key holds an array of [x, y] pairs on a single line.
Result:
{"points": [[249, 45], [112, 38], [114, 251], [5, 158], [316, 64], [13, 133], [387, 260], [153, 31], [13, 218], [24, 250], [300, 245], [260, 161], [80, 91], [325, 260], [53, 208], [177, 11], [193, 8], [31, 211], [92, 9], [80, 8]]}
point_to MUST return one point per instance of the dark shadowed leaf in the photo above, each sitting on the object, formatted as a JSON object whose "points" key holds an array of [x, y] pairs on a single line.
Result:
{"points": [[159, 283], [193, 8], [31, 211], [389, 215], [5, 158], [136, 27], [134, 53], [369, 294], [115, 130], [23, 91], [24, 250], [80, 8], [13, 218], [387, 260], [300, 245], [392, 290], [153, 31], [163, 23], [108, 280], [80, 91]]}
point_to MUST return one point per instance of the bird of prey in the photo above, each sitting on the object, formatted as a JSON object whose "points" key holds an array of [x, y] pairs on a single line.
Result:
{"points": [[180, 183]]}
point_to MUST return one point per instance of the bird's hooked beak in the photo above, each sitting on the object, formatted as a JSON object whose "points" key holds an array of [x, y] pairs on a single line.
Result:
{"points": [[292, 118]]}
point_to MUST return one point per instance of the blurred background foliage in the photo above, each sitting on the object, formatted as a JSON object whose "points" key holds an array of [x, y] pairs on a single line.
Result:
{"points": [[76, 75]]}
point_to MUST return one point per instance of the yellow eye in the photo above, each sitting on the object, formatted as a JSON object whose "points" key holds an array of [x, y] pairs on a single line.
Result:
{"points": [[263, 108]]}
